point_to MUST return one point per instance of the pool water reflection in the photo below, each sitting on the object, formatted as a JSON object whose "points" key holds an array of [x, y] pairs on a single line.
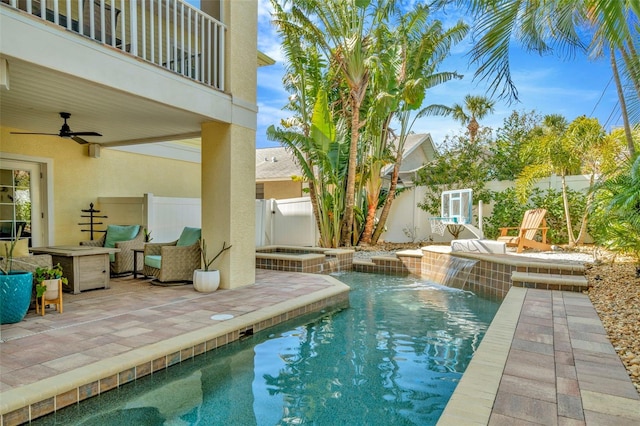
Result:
{"points": [[394, 357]]}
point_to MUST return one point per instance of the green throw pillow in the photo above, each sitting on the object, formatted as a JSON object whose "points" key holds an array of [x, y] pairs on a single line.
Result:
{"points": [[189, 236]]}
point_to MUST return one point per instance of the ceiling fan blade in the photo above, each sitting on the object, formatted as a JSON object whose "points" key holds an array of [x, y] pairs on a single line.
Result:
{"points": [[79, 140], [27, 133], [84, 134]]}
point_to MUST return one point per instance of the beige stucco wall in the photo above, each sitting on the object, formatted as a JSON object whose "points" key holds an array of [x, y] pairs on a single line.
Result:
{"points": [[79, 179], [228, 154], [242, 46], [281, 190]]}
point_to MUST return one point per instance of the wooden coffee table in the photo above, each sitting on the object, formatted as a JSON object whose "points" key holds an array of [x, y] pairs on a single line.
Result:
{"points": [[86, 268]]}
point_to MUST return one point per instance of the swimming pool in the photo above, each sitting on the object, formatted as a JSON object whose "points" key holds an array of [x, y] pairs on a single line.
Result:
{"points": [[393, 357]]}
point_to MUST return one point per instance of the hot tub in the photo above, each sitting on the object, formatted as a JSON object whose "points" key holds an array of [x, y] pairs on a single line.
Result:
{"points": [[303, 259]]}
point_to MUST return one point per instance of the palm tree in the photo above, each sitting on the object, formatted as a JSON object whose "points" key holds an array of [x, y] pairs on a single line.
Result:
{"points": [[303, 79], [475, 108], [543, 27], [343, 31], [409, 52], [567, 149]]}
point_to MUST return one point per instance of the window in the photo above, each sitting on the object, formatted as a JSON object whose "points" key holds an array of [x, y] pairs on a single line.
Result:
{"points": [[15, 203]]}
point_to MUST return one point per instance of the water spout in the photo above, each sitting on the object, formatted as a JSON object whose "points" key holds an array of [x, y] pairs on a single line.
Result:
{"points": [[452, 272], [333, 264]]}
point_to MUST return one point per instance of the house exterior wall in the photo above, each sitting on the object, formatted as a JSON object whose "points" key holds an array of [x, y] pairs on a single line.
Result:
{"points": [[226, 178], [282, 189], [79, 179]]}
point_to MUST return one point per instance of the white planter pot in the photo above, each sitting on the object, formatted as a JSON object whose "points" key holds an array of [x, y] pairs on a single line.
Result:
{"points": [[206, 281], [52, 289]]}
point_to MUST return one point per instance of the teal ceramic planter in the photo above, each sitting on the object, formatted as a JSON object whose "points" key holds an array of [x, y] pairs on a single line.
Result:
{"points": [[15, 296]]}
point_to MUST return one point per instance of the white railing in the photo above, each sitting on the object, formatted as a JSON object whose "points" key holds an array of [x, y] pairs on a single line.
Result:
{"points": [[168, 33]]}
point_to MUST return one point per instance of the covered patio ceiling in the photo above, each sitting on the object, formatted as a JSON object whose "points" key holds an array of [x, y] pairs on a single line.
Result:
{"points": [[33, 96]]}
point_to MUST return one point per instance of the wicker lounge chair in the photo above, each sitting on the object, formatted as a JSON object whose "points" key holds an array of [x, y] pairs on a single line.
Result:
{"points": [[532, 222], [174, 261], [124, 237]]}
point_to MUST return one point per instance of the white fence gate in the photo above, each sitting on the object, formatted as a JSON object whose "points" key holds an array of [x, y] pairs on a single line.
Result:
{"points": [[285, 222]]}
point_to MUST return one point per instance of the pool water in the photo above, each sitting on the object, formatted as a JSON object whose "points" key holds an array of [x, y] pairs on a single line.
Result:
{"points": [[393, 358]]}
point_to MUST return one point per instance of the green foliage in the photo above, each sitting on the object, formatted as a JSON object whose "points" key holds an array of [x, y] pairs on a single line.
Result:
{"points": [[553, 202], [373, 63], [460, 165], [508, 211], [615, 212], [6, 264], [506, 161], [43, 274]]}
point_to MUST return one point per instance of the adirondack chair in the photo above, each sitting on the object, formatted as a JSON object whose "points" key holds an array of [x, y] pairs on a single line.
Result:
{"points": [[532, 222]]}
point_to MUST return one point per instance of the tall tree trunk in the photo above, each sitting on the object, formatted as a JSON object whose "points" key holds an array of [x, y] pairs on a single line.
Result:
{"points": [[473, 129], [583, 226], [350, 198], [390, 196], [623, 104], [314, 205], [567, 214], [365, 240]]}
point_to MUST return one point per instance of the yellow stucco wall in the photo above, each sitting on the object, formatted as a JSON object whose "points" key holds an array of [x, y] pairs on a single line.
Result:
{"points": [[79, 179]]}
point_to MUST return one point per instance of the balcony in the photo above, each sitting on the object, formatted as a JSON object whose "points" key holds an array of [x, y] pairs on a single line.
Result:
{"points": [[168, 33]]}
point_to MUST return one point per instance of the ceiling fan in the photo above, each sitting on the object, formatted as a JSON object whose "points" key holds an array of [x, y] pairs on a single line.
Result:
{"points": [[65, 131]]}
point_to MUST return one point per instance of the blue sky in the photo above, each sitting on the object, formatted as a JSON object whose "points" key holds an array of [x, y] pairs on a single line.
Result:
{"points": [[549, 85]]}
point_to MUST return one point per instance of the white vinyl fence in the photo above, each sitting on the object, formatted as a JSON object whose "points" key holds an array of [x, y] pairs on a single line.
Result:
{"points": [[165, 217], [291, 221], [285, 222]]}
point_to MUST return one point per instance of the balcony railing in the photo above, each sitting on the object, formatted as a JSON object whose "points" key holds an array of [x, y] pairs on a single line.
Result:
{"points": [[168, 33]]}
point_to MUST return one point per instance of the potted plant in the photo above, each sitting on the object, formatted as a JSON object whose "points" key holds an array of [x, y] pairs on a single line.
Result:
{"points": [[206, 280], [15, 287], [147, 235], [47, 282]]}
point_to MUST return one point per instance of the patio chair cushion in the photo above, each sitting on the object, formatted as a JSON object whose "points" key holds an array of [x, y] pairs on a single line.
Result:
{"points": [[152, 260], [116, 233], [21, 248], [189, 236]]}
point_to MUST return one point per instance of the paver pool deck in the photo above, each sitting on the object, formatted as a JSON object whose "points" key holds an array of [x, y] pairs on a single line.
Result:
{"points": [[544, 360]]}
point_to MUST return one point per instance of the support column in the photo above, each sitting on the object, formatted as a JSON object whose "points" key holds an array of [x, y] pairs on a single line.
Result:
{"points": [[228, 200]]}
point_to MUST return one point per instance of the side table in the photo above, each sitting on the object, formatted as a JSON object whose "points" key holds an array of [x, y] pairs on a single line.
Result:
{"points": [[137, 252]]}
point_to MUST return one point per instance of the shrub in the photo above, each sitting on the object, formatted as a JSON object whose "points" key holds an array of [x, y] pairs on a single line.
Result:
{"points": [[508, 211]]}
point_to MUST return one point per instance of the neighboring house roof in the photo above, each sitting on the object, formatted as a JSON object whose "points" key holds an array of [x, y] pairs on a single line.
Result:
{"points": [[275, 164], [264, 59], [278, 164], [418, 149]]}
